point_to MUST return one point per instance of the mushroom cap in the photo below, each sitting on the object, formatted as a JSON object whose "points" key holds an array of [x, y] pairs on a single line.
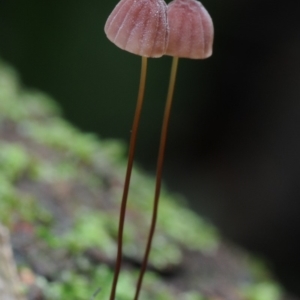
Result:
{"points": [[191, 30], [139, 27]]}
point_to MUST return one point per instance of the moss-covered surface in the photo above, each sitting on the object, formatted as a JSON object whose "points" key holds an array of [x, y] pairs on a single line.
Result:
{"points": [[60, 193]]}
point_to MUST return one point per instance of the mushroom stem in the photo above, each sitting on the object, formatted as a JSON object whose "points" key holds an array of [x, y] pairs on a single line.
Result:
{"points": [[160, 161], [132, 144]]}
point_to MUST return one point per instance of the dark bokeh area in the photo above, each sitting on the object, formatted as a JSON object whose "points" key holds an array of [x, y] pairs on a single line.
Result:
{"points": [[233, 146]]}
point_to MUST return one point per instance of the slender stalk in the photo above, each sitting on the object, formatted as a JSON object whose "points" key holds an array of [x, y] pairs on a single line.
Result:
{"points": [[160, 161], [132, 144]]}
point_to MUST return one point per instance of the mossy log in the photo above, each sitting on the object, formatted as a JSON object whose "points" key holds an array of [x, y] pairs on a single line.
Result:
{"points": [[59, 196]]}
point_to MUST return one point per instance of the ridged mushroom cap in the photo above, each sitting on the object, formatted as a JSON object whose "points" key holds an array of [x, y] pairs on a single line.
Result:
{"points": [[191, 30], [139, 27]]}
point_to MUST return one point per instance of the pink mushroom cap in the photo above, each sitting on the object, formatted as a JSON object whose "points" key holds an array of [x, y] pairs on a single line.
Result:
{"points": [[191, 30], [139, 27]]}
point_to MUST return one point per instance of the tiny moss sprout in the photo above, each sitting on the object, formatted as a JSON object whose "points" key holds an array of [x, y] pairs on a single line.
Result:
{"points": [[152, 29]]}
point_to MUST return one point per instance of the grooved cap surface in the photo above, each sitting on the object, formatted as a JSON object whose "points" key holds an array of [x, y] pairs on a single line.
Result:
{"points": [[139, 27], [191, 30]]}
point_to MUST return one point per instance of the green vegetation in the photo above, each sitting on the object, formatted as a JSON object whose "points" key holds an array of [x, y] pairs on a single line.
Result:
{"points": [[81, 177]]}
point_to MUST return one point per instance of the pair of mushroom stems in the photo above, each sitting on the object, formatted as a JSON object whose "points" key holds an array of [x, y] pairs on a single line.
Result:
{"points": [[159, 168]]}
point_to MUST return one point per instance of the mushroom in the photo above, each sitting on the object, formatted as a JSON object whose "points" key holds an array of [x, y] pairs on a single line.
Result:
{"points": [[139, 27], [191, 36]]}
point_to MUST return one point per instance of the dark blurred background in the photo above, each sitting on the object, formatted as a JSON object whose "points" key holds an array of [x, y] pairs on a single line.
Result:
{"points": [[234, 139]]}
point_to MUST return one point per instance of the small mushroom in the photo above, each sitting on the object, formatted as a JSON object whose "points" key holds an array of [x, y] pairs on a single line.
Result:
{"points": [[139, 27], [191, 36]]}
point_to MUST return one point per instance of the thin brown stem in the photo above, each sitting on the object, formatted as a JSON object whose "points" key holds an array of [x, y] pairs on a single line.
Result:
{"points": [[132, 144], [160, 161]]}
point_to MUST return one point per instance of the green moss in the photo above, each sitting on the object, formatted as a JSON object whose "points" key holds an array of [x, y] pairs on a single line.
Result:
{"points": [[90, 230], [62, 136], [15, 206], [46, 171], [76, 286], [264, 288], [181, 224], [185, 227], [8, 199], [14, 161], [263, 291]]}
